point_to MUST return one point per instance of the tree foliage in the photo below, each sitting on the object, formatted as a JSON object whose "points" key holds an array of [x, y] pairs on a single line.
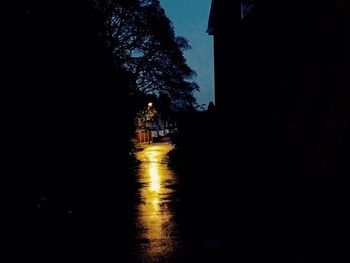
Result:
{"points": [[144, 44]]}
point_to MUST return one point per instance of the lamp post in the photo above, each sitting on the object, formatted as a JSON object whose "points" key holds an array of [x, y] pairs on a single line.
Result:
{"points": [[149, 118]]}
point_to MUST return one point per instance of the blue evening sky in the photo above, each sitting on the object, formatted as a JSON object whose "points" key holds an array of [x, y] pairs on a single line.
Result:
{"points": [[190, 20]]}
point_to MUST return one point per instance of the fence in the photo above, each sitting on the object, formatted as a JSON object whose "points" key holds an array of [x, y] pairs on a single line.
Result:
{"points": [[144, 137]]}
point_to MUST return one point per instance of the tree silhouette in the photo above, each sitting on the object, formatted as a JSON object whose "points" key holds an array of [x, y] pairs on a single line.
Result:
{"points": [[144, 44]]}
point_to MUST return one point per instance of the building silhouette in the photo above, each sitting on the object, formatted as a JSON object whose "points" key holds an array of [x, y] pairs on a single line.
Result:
{"points": [[279, 68], [282, 82]]}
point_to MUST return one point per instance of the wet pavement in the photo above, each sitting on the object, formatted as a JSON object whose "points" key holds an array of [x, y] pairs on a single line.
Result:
{"points": [[158, 228], [191, 217]]}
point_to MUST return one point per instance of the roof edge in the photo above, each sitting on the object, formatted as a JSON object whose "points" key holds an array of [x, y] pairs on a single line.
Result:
{"points": [[211, 29]]}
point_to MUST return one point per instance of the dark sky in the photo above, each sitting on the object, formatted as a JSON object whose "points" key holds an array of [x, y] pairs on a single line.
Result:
{"points": [[190, 19]]}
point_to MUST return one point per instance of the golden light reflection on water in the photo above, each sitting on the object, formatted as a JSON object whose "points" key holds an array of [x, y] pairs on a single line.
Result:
{"points": [[155, 178], [156, 229]]}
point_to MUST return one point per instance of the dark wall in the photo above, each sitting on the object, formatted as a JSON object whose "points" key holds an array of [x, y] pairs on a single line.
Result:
{"points": [[282, 80], [226, 16], [279, 70]]}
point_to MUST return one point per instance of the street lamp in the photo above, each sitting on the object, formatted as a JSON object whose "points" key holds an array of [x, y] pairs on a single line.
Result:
{"points": [[150, 117]]}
